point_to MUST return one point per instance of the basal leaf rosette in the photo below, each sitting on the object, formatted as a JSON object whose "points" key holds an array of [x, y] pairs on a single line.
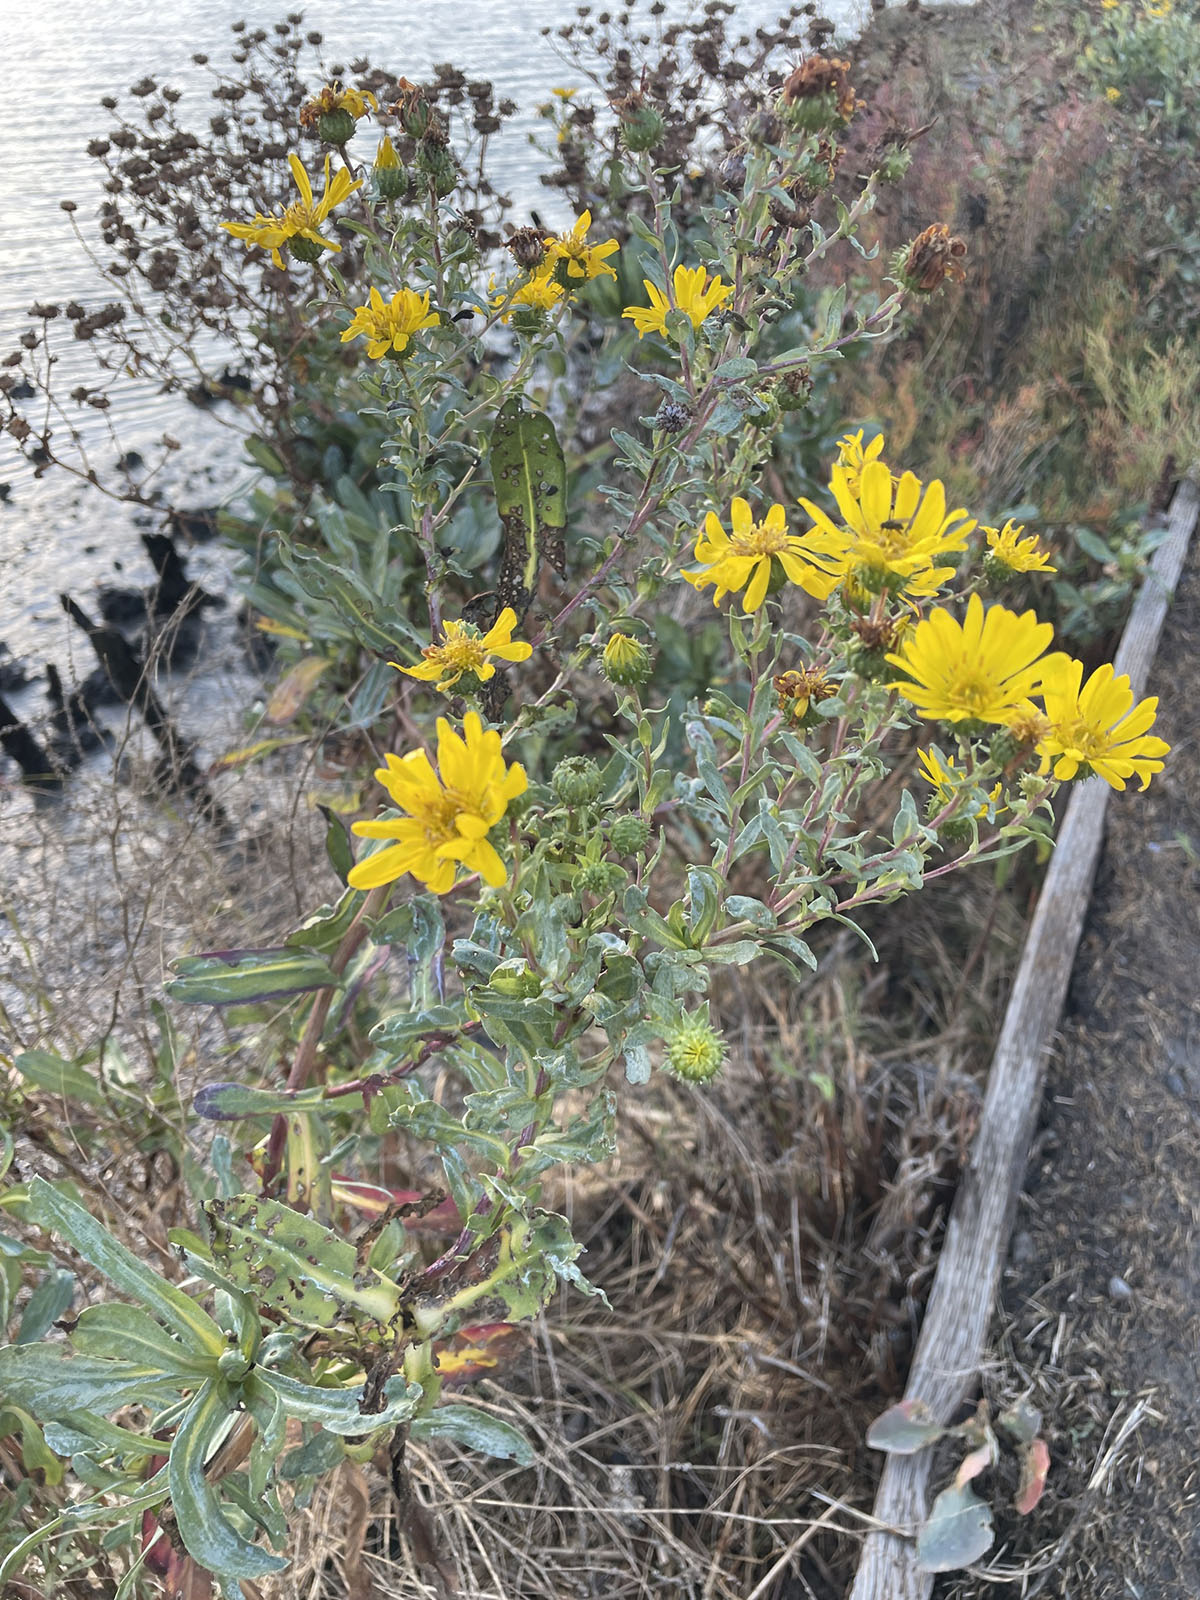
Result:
{"points": [[1095, 727], [447, 811], [752, 555], [980, 670]]}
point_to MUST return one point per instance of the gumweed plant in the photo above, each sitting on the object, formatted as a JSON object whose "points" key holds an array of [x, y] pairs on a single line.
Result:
{"points": [[531, 906]]}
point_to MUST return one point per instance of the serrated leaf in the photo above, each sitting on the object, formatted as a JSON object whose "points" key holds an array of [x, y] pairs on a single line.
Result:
{"points": [[958, 1532], [207, 1534], [57, 1214], [477, 1430], [240, 977]]}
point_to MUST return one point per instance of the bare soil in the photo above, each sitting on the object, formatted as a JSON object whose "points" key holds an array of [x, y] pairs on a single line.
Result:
{"points": [[1101, 1303]]}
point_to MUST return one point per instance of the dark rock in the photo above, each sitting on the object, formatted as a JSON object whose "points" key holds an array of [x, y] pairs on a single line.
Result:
{"points": [[130, 461], [120, 606], [22, 390]]}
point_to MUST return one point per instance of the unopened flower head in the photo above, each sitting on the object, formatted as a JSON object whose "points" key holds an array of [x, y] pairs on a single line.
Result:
{"points": [[1008, 553], [298, 226], [893, 531], [1095, 727], [580, 261], [745, 560], [447, 812], [464, 652], [695, 1050], [982, 669], [391, 178], [626, 662], [696, 295]]}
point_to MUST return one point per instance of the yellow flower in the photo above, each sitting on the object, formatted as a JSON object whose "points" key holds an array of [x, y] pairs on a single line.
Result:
{"points": [[335, 98], [542, 293], [947, 779], [463, 649], [565, 94], [979, 670], [389, 324], [853, 457], [1098, 729], [1159, 10], [302, 218], [695, 293], [448, 812], [1109, 5], [1113, 94], [892, 532], [582, 260], [1006, 546], [745, 560]]}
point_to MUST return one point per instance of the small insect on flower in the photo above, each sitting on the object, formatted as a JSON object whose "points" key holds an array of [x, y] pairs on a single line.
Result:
{"points": [[464, 651], [744, 560], [579, 259], [696, 295], [446, 812], [388, 325], [1097, 728], [297, 227]]}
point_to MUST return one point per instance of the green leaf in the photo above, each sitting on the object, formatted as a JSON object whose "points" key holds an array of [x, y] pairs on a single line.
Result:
{"points": [[35, 1455], [208, 1536], [238, 977], [339, 1410], [54, 1212], [46, 1304], [477, 1430], [114, 1331], [379, 629], [905, 1428], [291, 1262], [229, 1102], [958, 1532], [43, 1379], [530, 477], [67, 1078]]}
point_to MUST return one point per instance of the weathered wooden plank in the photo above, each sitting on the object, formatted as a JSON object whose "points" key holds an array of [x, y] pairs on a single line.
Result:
{"points": [[954, 1331]]}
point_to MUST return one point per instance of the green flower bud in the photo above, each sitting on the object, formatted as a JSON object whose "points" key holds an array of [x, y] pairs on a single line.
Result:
{"points": [[626, 662], [695, 1050], [391, 183], [304, 249], [232, 1364], [335, 127], [894, 164], [438, 167], [598, 877], [628, 835], [956, 831], [576, 781], [642, 128]]}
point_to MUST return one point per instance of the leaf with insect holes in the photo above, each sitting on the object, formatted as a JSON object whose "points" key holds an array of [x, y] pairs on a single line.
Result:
{"points": [[904, 1429], [1035, 1464], [958, 1532]]}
